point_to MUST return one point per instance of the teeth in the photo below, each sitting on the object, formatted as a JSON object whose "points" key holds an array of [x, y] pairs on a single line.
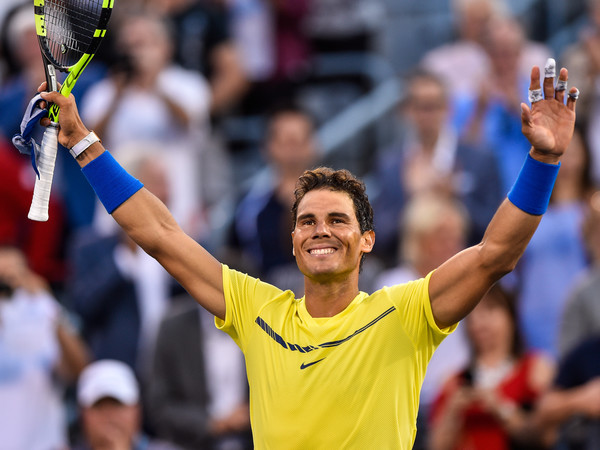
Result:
{"points": [[321, 251]]}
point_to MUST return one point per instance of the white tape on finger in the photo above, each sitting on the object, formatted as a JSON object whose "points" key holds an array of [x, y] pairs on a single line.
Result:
{"points": [[535, 95], [561, 85], [550, 68], [574, 95]]}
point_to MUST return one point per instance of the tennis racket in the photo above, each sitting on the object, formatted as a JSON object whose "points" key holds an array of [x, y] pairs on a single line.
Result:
{"points": [[69, 33]]}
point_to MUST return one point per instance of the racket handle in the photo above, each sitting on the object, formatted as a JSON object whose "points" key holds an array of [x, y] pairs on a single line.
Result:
{"points": [[47, 159]]}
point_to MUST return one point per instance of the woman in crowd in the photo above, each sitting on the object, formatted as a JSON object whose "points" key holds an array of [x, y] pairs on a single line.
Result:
{"points": [[489, 403]]}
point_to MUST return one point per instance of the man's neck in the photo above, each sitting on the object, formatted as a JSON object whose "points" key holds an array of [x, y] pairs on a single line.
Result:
{"points": [[327, 300]]}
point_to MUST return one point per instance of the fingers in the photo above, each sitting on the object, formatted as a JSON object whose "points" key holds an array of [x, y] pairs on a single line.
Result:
{"points": [[535, 90], [525, 115], [549, 90], [572, 98], [561, 85], [56, 97], [549, 75]]}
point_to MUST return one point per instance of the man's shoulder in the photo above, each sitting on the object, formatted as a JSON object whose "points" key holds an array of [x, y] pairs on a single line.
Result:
{"points": [[245, 283]]}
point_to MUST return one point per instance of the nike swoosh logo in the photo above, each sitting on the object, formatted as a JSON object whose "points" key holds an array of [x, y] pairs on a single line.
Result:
{"points": [[304, 366]]}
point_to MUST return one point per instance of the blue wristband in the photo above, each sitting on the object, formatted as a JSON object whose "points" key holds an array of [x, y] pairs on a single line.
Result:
{"points": [[112, 184], [533, 187]]}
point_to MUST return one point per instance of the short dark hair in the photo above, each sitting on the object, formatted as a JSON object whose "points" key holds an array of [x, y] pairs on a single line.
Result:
{"points": [[336, 180], [288, 109], [419, 75]]}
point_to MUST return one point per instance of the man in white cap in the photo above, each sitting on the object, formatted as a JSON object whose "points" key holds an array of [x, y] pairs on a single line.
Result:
{"points": [[108, 396]]}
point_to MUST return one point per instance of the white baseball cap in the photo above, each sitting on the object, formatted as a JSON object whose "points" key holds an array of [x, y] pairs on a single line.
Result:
{"points": [[107, 378]]}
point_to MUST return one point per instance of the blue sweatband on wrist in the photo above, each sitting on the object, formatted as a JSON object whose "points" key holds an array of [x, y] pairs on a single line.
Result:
{"points": [[533, 187], [112, 184]]}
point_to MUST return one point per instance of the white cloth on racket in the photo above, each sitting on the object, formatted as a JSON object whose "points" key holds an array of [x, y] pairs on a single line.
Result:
{"points": [[24, 141]]}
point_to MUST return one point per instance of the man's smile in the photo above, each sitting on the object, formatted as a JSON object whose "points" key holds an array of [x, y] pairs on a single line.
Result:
{"points": [[322, 251]]}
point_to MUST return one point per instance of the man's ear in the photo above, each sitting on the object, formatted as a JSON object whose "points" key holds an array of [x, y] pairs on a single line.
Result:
{"points": [[293, 250], [368, 241]]}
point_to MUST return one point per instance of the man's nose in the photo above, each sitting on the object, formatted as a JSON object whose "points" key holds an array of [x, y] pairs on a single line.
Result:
{"points": [[321, 229]]}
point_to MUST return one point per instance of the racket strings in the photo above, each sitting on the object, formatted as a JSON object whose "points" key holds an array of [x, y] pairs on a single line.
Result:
{"points": [[70, 28]]}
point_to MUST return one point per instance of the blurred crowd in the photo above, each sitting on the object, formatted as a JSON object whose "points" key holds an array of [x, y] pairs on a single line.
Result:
{"points": [[217, 107]]}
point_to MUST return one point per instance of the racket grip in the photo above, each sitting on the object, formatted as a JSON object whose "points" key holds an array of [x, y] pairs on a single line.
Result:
{"points": [[46, 161]]}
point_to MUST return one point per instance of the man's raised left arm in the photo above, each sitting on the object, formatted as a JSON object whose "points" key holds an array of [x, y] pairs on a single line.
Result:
{"points": [[458, 284]]}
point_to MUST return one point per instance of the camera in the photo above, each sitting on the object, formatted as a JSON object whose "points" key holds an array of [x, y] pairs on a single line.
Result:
{"points": [[6, 290]]}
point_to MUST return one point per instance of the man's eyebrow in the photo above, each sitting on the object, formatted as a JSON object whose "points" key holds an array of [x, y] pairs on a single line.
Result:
{"points": [[340, 215], [305, 216]]}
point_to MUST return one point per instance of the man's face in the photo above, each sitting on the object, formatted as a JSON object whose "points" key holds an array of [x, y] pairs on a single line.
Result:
{"points": [[327, 240], [290, 144], [109, 424], [427, 108], [146, 44]]}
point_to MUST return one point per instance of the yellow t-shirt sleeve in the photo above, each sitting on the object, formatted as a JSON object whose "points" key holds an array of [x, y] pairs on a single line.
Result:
{"points": [[244, 297], [414, 306]]}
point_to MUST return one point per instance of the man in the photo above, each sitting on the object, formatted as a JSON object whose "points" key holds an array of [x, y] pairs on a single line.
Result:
{"points": [[581, 316], [569, 414], [40, 355], [434, 228], [261, 223], [197, 396], [108, 396], [337, 368], [120, 293], [431, 157]]}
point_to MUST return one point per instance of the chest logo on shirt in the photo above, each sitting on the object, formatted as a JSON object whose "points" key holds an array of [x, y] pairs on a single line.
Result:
{"points": [[305, 365], [309, 348]]}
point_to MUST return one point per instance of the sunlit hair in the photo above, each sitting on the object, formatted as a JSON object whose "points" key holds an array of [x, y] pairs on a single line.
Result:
{"points": [[336, 180], [422, 215]]}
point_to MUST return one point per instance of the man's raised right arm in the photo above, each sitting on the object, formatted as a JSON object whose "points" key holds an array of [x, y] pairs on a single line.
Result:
{"points": [[145, 218]]}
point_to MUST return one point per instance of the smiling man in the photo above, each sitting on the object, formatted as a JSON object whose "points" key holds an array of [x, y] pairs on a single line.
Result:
{"points": [[338, 368]]}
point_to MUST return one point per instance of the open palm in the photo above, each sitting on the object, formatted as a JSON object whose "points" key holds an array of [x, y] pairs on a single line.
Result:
{"points": [[549, 123]]}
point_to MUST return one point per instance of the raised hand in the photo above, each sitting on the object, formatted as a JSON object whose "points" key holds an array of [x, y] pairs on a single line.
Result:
{"points": [[72, 129], [548, 124]]}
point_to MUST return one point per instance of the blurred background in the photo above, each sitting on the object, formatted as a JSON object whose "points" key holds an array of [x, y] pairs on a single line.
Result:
{"points": [[218, 106]]}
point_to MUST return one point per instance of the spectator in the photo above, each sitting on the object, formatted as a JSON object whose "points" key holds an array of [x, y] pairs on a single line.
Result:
{"points": [[252, 31], [343, 25], [119, 292], [569, 414], [583, 59], [5, 9], [489, 403], [581, 318], [292, 45], [24, 66], [40, 354], [464, 63], [492, 116], [41, 242], [434, 228], [262, 223], [198, 391], [149, 96], [108, 397], [203, 44], [558, 249], [431, 157], [284, 51], [25, 70]]}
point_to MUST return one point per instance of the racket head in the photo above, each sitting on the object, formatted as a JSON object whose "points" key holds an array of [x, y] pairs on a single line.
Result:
{"points": [[67, 30]]}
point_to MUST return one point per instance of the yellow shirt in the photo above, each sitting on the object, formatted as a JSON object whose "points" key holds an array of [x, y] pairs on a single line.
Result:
{"points": [[351, 381]]}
